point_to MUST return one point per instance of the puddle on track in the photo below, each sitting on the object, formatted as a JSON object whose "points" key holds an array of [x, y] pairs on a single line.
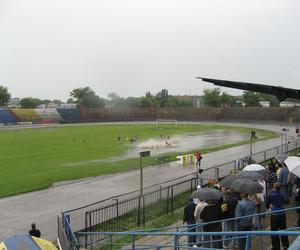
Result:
{"points": [[178, 143]]}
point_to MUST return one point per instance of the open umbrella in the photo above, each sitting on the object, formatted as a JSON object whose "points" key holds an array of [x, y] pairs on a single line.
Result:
{"points": [[246, 186], [293, 164], [252, 175], [206, 193], [227, 181], [281, 158], [257, 167], [26, 242]]}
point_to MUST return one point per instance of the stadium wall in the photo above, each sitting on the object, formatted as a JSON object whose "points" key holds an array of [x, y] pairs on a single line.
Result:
{"points": [[240, 114], [222, 114]]}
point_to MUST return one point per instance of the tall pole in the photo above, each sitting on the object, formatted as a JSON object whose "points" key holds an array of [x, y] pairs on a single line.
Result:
{"points": [[141, 177], [251, 147]]}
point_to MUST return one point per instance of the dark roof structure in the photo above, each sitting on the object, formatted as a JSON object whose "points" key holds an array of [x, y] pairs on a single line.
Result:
{"points": [[280, 92]]}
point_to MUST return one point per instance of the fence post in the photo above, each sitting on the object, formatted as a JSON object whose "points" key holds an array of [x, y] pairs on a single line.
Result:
{"points": [[160, 192], [248, 242], [110, 242], [168, 196], [172, 197], [144, 218], [217, 173], [90, 227], [117, 212], [86, 229], [175, 242], [139, 210], [133, 242]]}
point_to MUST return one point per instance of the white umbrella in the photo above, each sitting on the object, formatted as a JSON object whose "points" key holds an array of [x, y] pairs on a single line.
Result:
{"points": [[293, 164], [253, 167], [257, 167]]}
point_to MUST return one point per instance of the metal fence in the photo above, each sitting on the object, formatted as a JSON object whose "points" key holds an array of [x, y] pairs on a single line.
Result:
{"points": [[129, 210], [176, 237]]}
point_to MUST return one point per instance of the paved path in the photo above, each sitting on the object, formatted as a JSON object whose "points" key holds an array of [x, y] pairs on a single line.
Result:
{"points": [[19, 211]]}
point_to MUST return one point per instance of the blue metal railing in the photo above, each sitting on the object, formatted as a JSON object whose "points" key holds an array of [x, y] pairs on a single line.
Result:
{"points": [[181, 230], [73, 242]]}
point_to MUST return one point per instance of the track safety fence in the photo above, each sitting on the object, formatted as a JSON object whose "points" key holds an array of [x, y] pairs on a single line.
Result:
{"points": [[130, 210]]}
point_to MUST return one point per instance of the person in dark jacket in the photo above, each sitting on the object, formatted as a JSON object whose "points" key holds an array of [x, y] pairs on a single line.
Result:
{"points": [[34, 231], [210, 213], [275, 201], [228, 210], [245, 207], [189, 219]]}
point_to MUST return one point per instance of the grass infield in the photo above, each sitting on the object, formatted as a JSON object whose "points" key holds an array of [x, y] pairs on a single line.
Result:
{"points": [[33, 159]]}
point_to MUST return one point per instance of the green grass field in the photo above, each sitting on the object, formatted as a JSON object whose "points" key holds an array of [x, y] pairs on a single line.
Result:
{"points": [[33, 159]]}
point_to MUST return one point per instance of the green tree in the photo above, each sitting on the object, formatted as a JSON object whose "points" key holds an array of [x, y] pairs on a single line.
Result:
{"points": [[212, 97], [274, 102], [162, 97], [30, 102], [86, 97], [4, 96], [251, 99]]}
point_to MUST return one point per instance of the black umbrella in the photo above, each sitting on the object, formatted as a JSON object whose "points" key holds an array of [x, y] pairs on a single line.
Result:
{"points": [[206, 193], [227, 181], [252, 175], [246, 186]]}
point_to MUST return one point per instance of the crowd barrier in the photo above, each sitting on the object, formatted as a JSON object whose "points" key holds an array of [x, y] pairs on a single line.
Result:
{"points": [[119, 213]]}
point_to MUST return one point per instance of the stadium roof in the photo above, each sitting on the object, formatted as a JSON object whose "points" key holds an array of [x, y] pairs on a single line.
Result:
{"points": [[280, 92]]}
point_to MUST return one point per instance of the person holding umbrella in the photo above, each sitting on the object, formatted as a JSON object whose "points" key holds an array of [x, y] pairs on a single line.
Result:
{"points": [[275, 201], [244, 207]]}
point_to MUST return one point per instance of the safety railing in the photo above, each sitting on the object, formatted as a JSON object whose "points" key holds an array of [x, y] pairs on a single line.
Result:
{"points": [[126, 211], [176, 237]]}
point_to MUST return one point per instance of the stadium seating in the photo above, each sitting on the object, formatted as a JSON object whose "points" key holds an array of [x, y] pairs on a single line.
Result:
{"points": [[70, 115], [6, 117], [26, 115], [49, 115]]}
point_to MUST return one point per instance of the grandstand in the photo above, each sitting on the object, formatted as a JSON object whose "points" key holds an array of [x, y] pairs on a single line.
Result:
{"points": [[70, 115], [6, 117], [26, 115], [49, 115]]}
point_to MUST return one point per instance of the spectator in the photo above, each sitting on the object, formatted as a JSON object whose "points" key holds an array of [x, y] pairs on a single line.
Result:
{"points": [[283, 180], [212, 212], [272, 177], [34, 231], [228, 207], [199, 208], [189, 218], [244, 207], [297, 201], [275, 201], [258, 200]]}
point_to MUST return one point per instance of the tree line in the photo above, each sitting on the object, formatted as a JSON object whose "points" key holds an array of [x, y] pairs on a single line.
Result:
{"points": [[86, 97]]}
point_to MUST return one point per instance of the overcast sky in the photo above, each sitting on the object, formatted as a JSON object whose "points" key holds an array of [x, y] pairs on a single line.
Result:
{"points": [[49, 47]]}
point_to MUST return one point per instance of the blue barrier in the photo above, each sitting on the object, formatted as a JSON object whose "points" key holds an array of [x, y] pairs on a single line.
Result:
{"points": [[177, 234], [66, 220], [6, 117], [69, 115]]}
